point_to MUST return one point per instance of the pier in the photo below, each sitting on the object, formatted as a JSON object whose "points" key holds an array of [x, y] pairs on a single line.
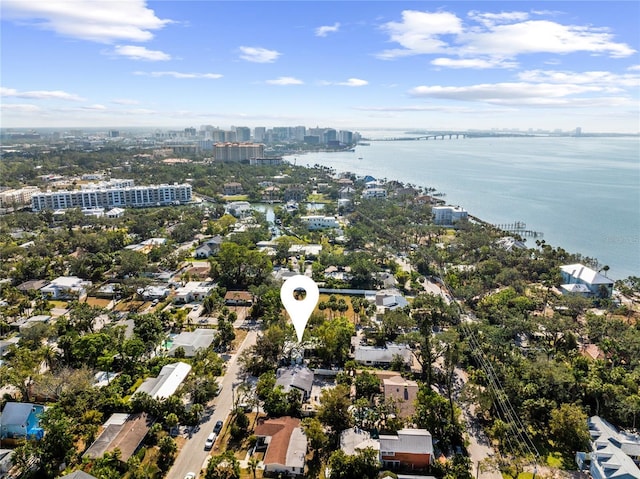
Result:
{"points": [[432, 136], [520, 228]]}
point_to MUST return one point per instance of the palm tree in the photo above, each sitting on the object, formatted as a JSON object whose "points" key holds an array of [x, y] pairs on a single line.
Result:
{"points": [[252, 463]]}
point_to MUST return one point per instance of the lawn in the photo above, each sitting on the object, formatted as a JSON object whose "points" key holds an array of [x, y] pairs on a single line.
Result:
{"points": [[98, 302], [328, 313]]}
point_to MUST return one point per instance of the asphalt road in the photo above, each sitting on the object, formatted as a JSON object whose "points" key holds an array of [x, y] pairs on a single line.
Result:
{"points": [[192, 454]]}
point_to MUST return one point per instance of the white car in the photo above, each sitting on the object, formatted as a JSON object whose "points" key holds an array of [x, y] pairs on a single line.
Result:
{"points": [[190, 475], [208, 444]]}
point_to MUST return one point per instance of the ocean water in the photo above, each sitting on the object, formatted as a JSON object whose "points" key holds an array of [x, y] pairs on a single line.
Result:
{"points": [[582, 193]]}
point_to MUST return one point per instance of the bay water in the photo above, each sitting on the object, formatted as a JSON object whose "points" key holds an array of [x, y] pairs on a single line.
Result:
{"points": [[582, 193]]}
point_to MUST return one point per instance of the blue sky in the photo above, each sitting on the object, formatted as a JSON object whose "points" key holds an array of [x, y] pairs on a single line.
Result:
{"points": [[349, 65]]}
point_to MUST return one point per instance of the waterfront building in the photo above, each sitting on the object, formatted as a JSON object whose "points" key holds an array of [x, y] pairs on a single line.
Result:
{"points": [[319, 222], [448, 215], [265, 162], [579, 278], [236, 152], [369, 193], [112, 195]]}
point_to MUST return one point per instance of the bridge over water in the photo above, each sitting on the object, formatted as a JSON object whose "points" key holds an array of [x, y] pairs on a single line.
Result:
{"points": [[450, 135]]}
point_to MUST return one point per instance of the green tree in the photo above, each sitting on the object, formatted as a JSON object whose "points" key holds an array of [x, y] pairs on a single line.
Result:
{"points": [[238, 267], [568, 426], [334, 409], [223, 466], [364, 464]]}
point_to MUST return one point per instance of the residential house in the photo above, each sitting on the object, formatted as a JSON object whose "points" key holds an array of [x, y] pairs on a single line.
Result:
{"points": [[298, 377], [238, 298], [209, 247], [21, 421], [239, 209], [271, 193], [319, 222], [285, 445], [115, 213], [382, 356], [410, 448], [390, 299], [232, 188], [346, 192], [66, 287], [28, 322], [152, 292], [192, 291], [403, 392], [614, 454], [7, 344], [374, 192], [309, 251], [125, 432], [32, 285], [597, 285], [192, 341], [168, 381], [355, 439]]}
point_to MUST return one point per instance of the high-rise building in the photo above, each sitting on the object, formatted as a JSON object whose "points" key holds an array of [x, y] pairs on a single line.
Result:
{"points": [[235, 152], [243, 133], [259, 133]]}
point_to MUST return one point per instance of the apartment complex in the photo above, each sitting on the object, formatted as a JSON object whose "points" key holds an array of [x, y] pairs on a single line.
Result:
{"points": [[119, 193], [448, 215], [237, 151]]}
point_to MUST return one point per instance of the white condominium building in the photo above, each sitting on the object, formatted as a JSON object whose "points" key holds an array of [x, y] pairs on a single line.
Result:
{"points": [[448, 215], [113, 196], [317, 222]]}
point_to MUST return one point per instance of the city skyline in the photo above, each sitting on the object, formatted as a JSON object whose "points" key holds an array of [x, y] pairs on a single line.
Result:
{"points": [[348, 65]]}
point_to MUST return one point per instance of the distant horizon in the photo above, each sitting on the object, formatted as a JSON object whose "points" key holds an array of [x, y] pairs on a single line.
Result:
{"points": [[450, 66], [408, 129]]}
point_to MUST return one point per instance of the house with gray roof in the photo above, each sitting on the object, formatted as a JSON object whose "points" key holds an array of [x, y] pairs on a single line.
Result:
{"points": [[297, 377], [599, 286], [614, 454], [21, 420], [167, 382], [377, 356], [192, 341]]}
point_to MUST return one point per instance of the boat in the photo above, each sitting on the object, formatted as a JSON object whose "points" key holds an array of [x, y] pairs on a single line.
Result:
{"points": [[359, 157]]}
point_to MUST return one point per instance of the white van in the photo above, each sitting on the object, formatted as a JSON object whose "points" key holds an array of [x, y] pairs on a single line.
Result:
{"points": [[208, 444]]}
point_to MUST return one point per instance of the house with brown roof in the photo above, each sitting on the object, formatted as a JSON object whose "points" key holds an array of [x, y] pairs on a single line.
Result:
{"points": [[285, 445], [125, 432], [238, 298], [404, 392]]}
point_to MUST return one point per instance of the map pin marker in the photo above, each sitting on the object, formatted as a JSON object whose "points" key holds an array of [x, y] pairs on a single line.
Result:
{"points": [[299, 295]]}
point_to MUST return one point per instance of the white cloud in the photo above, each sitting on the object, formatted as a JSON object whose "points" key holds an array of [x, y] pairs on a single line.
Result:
{"points": [[326, 29], [259, 55], [495, 36], [285, 81], [489, 19], [477, 63], [103, 21], [40, 94], [634, 68], [606, 80], [125, 101], [135, 52], [418, 33], [353, 82], [514, 93], [21, 107], [181, 75], [96, 107]]}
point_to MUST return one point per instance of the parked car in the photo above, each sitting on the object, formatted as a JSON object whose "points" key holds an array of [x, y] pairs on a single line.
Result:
{"points": [[218, 427], [208, 444]]}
